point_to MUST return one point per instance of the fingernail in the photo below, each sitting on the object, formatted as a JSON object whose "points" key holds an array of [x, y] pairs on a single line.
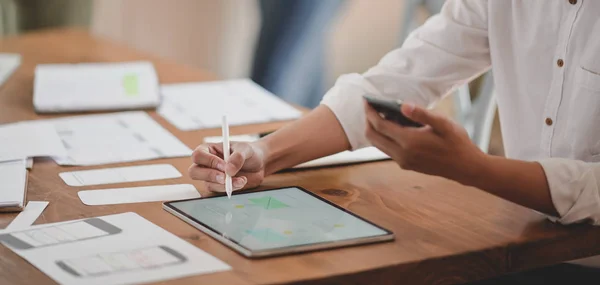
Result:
{"points": [[221, 166], [409, 108], [239, 182], [221, 178]]}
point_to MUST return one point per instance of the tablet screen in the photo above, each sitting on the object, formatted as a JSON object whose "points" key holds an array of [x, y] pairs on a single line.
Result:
{"points": [[277, 218]]}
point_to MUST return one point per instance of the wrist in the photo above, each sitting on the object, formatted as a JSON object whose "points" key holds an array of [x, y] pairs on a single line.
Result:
{"points": [[480, 170], [263, 149]]}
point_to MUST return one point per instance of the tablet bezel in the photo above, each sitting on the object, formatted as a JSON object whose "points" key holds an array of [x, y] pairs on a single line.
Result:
{"points": [[387, 236]]}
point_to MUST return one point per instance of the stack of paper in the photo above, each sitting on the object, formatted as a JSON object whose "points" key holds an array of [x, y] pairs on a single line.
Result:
{"points": [[95, 86], [192, 106], [20, 142], [29, 139], [13, 185], [9, 62]]}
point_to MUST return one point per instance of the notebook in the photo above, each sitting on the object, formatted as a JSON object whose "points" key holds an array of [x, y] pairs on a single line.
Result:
{"points": [[13, 186], [95, 87]]}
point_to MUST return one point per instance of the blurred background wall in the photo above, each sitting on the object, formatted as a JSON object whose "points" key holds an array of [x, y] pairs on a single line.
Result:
{"points": [[220, 35]]}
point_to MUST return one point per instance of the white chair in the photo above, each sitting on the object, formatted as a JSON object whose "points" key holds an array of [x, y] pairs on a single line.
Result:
{"points": [[8, 17], [477, 114]]}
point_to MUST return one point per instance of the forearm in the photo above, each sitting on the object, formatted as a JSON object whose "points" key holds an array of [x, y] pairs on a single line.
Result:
{"points": [[315, 135], [521, 182]]}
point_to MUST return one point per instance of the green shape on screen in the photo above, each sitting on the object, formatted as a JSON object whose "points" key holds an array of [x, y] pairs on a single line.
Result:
{"points": [[266, 235], [268, 202], [131, 85]]}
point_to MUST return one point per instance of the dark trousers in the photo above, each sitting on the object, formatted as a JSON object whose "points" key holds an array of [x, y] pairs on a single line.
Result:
{"points": [[563, 273], [290, 57]]}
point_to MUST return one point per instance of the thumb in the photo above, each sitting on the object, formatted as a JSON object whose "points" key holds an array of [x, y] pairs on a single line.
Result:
{"points": [[439, 123]]}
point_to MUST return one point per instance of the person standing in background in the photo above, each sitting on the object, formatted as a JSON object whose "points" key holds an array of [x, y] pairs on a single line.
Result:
{"points": [[289, 59]]}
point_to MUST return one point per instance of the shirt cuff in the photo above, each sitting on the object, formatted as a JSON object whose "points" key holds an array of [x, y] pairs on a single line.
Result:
{"points": [[574, 189], [345, 100]]}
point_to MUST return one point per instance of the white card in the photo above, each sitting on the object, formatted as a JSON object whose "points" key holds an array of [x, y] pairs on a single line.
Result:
{"points": [[138, 194], [119, 175], [27, 217]]}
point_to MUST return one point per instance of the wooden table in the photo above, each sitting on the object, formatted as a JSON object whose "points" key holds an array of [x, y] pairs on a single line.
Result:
{"points": [[446, 233]]}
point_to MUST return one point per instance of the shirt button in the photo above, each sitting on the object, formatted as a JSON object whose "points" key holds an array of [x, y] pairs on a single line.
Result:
{"points": [[560, 63], [548, 121], [573, 2]]}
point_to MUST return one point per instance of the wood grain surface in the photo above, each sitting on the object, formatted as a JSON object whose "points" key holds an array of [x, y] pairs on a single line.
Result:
{"points": [[446, 233]]}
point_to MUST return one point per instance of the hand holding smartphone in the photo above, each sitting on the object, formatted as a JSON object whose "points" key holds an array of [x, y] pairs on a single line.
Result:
{"points": [[390, 110]]}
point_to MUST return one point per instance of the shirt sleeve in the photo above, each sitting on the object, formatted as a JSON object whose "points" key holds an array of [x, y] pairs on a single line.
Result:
{"points": [[449, 50], [574, 188]]}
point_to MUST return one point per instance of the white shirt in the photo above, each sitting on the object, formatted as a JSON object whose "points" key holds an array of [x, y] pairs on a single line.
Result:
{"points": [[545, 57]]}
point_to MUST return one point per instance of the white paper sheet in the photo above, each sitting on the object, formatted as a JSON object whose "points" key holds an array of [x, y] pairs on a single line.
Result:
{"points": [[9, 62], [192, 106], [13, 183], [108, 250], [345, 157], [138, 194], [236, 138], [29, 139], [114, 138], [28, 216], [119, 175], [95, 86]]}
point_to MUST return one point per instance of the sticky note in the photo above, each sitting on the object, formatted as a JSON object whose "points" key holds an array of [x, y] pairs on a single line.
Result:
{"points": [[131, 85]]}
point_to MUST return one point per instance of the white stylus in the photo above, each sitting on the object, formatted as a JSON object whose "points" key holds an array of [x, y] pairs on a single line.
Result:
{"points": [[226, 151]]}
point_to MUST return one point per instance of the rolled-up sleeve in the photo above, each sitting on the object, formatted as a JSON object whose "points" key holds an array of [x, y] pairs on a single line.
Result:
{"points": [[448, 50], [575, 189]]}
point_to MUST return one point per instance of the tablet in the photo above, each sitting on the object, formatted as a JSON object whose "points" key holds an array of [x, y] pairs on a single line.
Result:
{"points": [[277, 221]]}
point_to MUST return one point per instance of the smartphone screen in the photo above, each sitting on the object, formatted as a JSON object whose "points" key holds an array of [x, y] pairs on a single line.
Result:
{"points": [[69, 232], [115, 262]]}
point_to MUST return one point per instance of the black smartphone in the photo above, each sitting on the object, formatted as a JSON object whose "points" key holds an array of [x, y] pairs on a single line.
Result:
{"points": [[390, 110]]}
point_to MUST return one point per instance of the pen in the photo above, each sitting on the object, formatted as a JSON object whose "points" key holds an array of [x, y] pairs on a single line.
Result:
{"points": [[226, 151]]}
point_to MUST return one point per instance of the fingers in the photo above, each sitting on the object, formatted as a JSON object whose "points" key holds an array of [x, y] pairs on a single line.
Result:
{"points": [[206, 174], [206, 155], [381, 141], [388, 129], [237, 183], [241, 152], [215, 179], [438, 123]]}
